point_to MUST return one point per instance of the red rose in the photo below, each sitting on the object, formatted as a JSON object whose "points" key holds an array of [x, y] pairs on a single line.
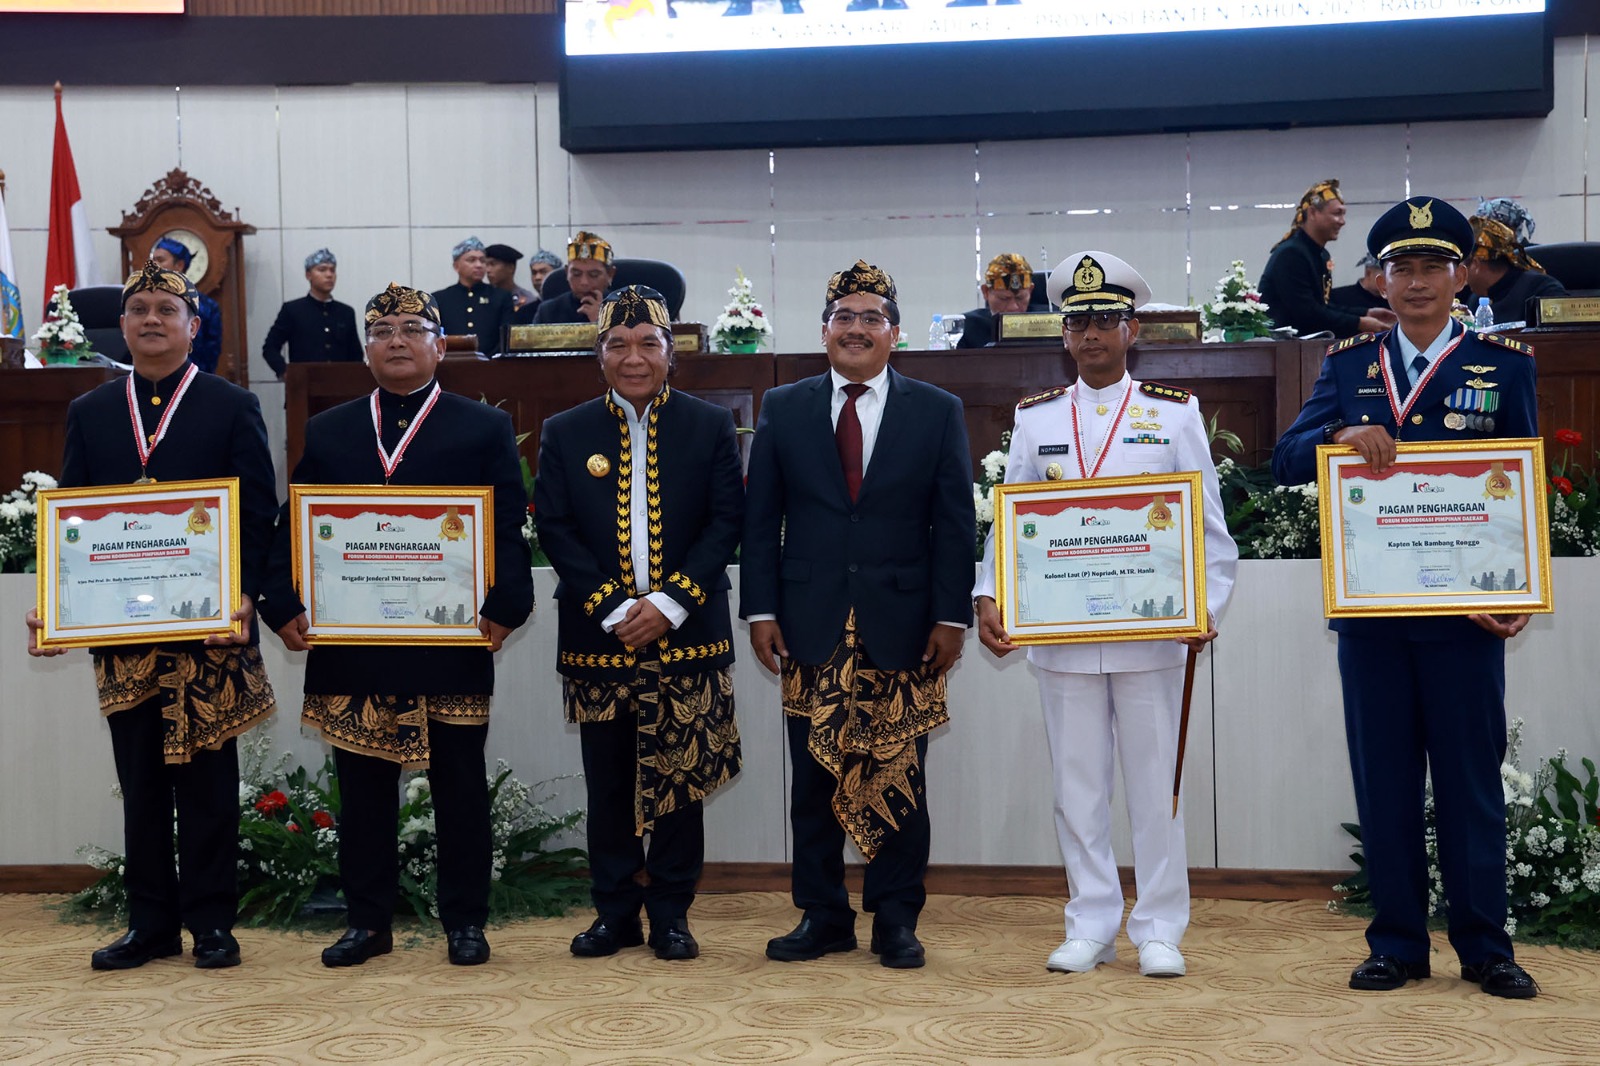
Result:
{"points": [[272, 801], [1562, 485], [291, 827], [756, 311], [322, 820], [1568, 436]]}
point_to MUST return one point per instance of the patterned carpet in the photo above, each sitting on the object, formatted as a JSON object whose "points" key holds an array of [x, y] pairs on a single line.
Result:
{"points": [[1266, 984]]}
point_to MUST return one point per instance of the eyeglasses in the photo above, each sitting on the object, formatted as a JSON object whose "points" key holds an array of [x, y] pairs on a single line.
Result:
{"points": [[410, 331], [1105, 320], [868, 319]]}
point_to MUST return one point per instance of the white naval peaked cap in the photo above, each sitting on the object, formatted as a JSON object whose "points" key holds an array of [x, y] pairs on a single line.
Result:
{"points": [[1094, 282]]}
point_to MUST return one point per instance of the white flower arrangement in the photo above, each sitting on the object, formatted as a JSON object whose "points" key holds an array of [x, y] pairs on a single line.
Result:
{"points": [[742, 322], [18, 521], [994, 473], [1236, 310], [61, 338]]}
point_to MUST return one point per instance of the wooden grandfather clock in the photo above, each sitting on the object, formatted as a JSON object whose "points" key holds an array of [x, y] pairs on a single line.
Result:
{"points": [[181, 208]]}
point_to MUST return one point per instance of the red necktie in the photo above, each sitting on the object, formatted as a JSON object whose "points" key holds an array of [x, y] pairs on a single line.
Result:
{"points": [[847, 438]]}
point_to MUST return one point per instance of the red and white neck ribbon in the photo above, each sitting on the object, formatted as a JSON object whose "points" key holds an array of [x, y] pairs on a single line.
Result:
{"points": [[1389, 382], [392, 462], [145, 445], [1105, 443]]}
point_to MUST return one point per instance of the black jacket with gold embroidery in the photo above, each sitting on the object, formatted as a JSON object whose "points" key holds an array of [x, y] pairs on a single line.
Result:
{"points": [[582, 504]]}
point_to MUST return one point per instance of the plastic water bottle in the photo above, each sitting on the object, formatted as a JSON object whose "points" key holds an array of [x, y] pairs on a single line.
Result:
{"points": [[936, 337], [1483, 317]]}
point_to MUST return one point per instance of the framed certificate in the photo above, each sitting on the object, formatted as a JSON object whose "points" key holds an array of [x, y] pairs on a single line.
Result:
{"points": [[132, 564], [1120, 558], [378, 565], [1450, 528]]}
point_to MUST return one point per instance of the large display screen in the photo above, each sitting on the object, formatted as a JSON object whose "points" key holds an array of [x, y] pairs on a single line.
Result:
{"points": [[643, 74]]}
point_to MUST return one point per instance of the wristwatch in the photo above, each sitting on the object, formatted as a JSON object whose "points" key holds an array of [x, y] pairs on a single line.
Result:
{"points": [[1331, 428]]}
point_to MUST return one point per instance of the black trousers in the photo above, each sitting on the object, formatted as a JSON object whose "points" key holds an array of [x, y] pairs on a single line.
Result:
{"points": [[616, 854], [369, 865], [201, 890], [893, 891]]}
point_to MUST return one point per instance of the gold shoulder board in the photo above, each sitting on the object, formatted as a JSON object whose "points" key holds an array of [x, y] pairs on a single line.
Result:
{"points": [[1040, 397], [1506, 342], [1351, 342], [1166, 392]]}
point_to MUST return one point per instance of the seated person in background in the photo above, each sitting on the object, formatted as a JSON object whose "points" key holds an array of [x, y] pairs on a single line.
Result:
{"points": [[1363, 292], [1502, 269], [591, 266], [500, 270], [472, 305], [1298, 278], [169, 254], [539, 268], [1007, 286], [317, 328]]}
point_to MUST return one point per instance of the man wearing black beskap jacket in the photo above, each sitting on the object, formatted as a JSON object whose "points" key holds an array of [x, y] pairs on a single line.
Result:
{"points": [[384, 708], [639, 502]]}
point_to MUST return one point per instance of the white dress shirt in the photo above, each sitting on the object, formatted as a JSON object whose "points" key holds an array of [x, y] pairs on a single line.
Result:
{"points": [[869, 409], [638, 431], [1409, 351]]}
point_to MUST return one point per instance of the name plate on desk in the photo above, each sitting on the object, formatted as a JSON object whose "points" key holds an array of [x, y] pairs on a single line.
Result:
{"points": [[378, 565], [1102, 559], [1027, 326], [1169, 327], [1450, 528], [553, 337], [688, 337], [1565, 311]]}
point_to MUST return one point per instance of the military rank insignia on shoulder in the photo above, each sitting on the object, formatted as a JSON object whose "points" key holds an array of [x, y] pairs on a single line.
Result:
{"points": [[1166, 392], [1506, 342], [1041, 397], [1351, 342]]}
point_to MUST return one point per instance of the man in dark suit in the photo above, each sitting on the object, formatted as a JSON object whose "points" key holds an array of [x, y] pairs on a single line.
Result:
{"points": [[384, 708], [639, 501], [1007, 287], [1298, 279], [1501, 269], [317, 328], [856, 572], [472, 305], [175, 709], [1424, 694], [591, 267], [1366, 291]]}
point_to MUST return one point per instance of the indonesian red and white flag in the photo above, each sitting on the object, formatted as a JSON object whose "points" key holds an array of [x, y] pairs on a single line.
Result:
{"points": [[70, 259]]}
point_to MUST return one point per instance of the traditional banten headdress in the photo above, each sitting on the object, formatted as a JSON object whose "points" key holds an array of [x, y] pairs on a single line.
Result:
{"points": [[1509, 214], [320, 256], [1091, 283], [471, 244], [178, 250], [397, 299], [860, 278], [548, 258], [634, 305], [1316, 196], [1496, 240], [158, 279], [1008, 271], [586, 245]]}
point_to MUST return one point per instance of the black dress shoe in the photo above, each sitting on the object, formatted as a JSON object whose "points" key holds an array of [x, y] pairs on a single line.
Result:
{"points": [[897, 947], [1385, 973], [357, 946], [674, 942], [135, 949], [216, 950], [1503, 978], [468, 946], [607, 936], [811, 940]]}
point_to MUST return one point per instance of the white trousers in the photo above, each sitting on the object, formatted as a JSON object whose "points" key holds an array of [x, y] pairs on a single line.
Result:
{"points": [[1086, 717]]}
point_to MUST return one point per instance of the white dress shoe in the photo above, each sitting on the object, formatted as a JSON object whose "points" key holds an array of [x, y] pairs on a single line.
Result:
{"points": [[1157, 958], [1081, 956]]}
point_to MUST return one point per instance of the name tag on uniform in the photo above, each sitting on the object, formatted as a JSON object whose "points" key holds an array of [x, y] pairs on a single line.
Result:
{"points": [[1372, 390], [1055, 449]]}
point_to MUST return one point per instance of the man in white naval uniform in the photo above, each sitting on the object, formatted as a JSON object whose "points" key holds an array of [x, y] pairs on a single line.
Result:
{"points": [[1122, 696]]}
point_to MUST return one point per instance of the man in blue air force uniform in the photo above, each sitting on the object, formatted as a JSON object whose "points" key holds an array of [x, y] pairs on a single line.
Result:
{"points": [[1424, 694], [639, 501]]}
